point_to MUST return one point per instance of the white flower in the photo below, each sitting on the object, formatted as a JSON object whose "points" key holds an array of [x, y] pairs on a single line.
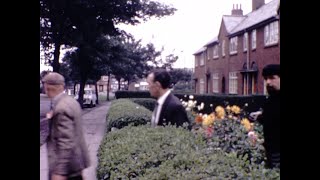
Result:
{"points": [[181, 100], [191, 97], [185, 104], [211, 105], [246, 104], [251, 133], [205, 116], [137, 107], [199, 108], [188, 109], [185, 95], [202, 105]]}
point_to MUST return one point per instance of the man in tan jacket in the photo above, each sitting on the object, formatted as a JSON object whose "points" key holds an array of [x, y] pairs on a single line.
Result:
{"points": [[67, 150]]}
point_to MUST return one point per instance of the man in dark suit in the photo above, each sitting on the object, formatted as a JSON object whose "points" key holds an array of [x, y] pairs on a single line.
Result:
{"points": [[67, 150], [269, 117], [168, 109]]}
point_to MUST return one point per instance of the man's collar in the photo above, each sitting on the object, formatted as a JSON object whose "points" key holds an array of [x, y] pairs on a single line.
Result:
{"points": [[57, 97], [163, 97]]}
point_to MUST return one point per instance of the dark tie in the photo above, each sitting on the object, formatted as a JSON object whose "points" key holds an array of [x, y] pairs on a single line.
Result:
{"points": [[51, 105], [154, 114]]}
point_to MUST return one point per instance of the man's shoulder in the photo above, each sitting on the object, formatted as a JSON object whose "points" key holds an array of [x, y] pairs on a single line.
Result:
{"points": [[173, 100], [68, 102]]}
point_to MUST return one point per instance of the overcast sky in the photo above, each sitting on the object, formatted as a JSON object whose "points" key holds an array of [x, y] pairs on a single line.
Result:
{"points": [[194, 24]]}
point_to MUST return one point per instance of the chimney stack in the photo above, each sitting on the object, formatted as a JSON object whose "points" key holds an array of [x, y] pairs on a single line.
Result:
{"points": [[256, 4], [237, 12]]}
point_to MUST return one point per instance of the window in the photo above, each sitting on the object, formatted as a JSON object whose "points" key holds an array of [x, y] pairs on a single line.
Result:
{"points": [[100, 88], [215, 82], [196, 62], [233, 45], [254, 39], [202, 59], [223, 48], [265, 92], [210, 53], [271, 33], [233, 83], [245, 42], [215, 51], [201, 88]]}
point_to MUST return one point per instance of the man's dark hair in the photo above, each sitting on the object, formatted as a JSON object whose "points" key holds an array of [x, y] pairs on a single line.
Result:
{"points": [[162, 76], [271, 69]]}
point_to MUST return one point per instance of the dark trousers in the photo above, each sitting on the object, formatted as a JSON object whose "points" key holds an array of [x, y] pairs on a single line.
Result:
{"points": [[273, 160]]}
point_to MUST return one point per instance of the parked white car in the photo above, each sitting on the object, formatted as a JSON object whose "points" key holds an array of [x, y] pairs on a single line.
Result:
{"points": [[89, 97]]}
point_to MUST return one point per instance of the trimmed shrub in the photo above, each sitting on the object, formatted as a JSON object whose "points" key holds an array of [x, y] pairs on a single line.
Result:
{"points": [[255, 102], [124, 112], [169, 153], [148, 103], [132, 94]]}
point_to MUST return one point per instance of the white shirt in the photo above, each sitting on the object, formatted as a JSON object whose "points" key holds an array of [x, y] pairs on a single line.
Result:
{"points": [[160, 103]]}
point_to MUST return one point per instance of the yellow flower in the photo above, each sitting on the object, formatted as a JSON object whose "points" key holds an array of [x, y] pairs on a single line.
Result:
{"points": [[235, 109], [208, 120], [220, 112], [246, 123]]}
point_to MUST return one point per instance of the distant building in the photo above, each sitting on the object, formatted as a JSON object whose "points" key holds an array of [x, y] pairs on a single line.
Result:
{"points": [[231, 63]]}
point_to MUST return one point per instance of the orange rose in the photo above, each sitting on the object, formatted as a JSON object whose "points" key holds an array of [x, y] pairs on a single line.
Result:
{"points": [[198, 119]]}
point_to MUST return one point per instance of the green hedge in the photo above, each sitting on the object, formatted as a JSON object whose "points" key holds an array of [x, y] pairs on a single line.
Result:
{"points": [[123, 112], [132, 94], [148, 103], [254, 102], [169, 153]]}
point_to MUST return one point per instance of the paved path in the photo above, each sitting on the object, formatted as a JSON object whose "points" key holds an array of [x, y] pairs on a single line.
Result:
{"points": [[94, 123]]}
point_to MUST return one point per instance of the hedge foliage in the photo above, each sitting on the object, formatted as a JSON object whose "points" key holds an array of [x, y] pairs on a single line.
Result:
{"points": [[124, 112], [170, 153], [254, 102]]}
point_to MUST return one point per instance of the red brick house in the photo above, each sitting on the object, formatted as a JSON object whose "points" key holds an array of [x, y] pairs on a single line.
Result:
{"points": [[231, 63]]}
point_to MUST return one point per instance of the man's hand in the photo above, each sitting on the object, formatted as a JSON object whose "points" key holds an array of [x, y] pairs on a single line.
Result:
{"points": [[49, 115], [58, 177], [254, 115]]}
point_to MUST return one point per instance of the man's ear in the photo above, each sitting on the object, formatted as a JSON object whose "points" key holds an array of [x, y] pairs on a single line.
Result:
{"points": [[158, 84]]}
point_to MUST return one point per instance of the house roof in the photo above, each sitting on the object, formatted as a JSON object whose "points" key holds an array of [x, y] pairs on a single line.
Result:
{"points": [[215, 39], [200, 50], [231, 21], [263, 13]]}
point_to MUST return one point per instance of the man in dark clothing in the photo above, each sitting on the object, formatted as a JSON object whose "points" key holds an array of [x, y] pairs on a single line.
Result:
{"points": [[168, 109], [269, 117]]}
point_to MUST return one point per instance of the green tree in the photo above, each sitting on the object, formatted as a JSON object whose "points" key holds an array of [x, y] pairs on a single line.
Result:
{"points": [[79, 22], [181, 78]]}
